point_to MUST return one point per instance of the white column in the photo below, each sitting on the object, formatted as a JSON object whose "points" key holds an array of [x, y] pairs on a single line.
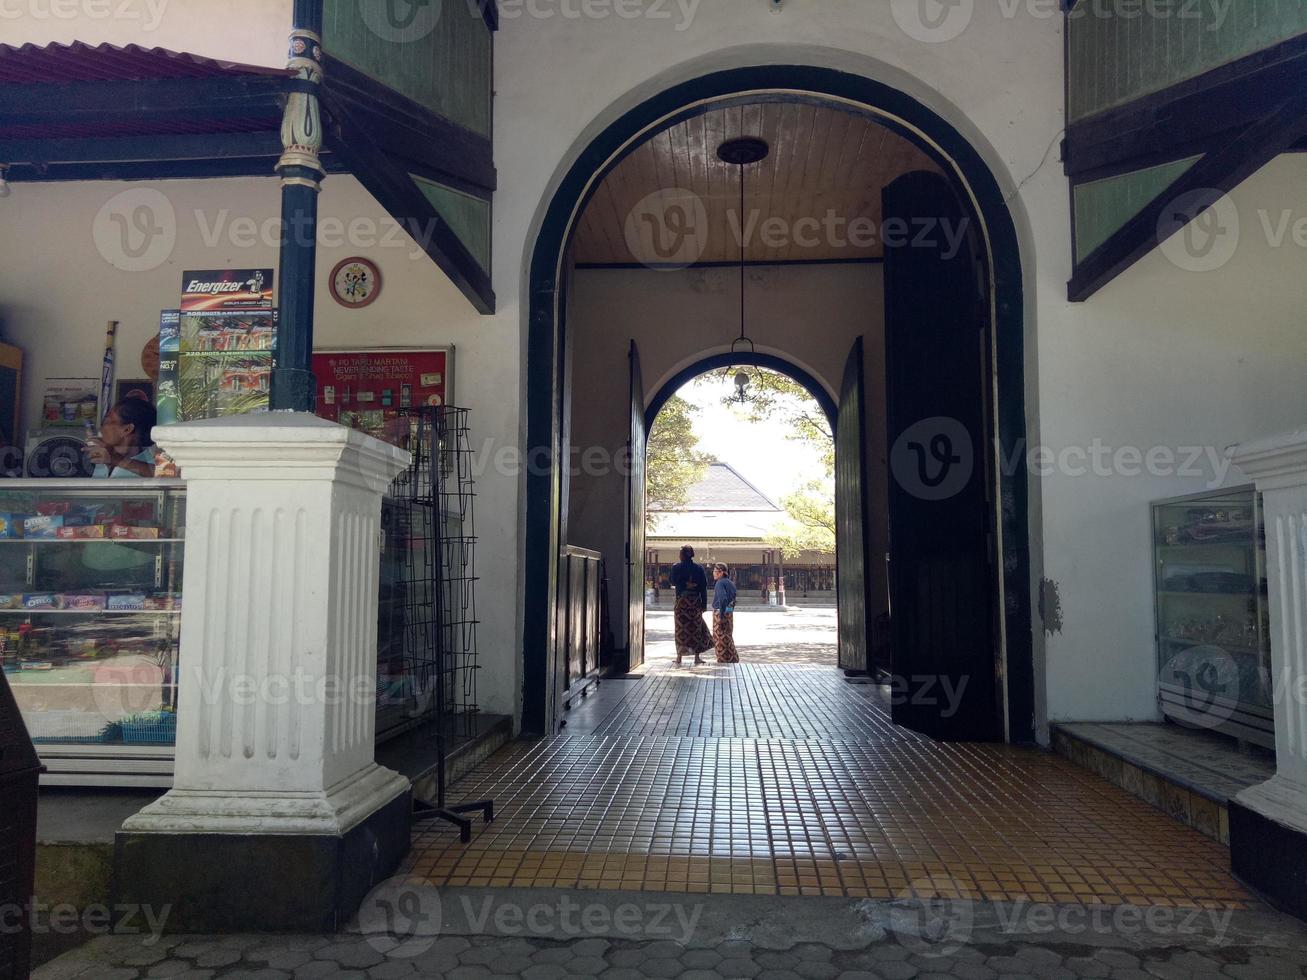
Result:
{"points": [[276, 707], [1279, 466]]}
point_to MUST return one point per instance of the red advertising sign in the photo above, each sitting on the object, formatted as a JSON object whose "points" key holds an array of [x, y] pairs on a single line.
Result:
{"points": [[367, 389]]}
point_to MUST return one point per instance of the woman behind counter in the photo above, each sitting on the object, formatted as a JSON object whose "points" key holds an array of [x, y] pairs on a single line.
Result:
{"points": [[124, 448]]}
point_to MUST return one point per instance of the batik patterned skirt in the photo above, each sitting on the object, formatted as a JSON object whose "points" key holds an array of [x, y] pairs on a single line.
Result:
{"points": [[691, 631], [723, 634]]}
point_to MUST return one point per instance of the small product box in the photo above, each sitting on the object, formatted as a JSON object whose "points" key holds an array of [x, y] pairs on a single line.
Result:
{"points": [[12, 600], [42, 526], [11, 525], [52, 508], [82, 601], [40, 600], [133, 533], [133, 601], [81, 531], [137, 510]]}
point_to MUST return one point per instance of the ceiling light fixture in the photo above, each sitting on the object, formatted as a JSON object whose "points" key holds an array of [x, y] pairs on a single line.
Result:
{"points": [[743, 152]]}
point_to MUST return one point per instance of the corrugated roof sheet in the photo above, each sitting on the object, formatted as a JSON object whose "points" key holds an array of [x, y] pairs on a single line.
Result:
{"points": [[55, 64]]}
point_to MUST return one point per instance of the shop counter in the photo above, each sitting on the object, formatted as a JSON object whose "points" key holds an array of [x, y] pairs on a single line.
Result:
{"points": [[90, 613]]}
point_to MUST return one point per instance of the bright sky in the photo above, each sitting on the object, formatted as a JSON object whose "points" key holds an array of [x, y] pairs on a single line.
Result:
{"points": [[758, 450]]}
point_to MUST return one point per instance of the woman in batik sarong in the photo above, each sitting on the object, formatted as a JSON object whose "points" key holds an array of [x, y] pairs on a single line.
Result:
{"points": [[691, 584], [723, 615]]}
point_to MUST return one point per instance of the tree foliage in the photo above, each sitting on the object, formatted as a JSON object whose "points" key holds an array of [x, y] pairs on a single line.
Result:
{"points": [[810, 520], [674, 463], [775, 397]]}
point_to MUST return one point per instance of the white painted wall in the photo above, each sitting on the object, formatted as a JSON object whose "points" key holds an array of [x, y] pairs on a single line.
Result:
{"points": [[1158, 357], [249, 32], [678, 318], [57, 290]]}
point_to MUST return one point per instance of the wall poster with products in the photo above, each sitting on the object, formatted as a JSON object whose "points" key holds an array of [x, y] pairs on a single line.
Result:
{"points": [[216, 352], [368, 389]]}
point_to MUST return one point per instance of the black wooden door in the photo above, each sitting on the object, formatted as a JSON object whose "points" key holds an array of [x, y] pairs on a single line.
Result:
{"points": [[942, 581], [851, 525], [635, 504]]}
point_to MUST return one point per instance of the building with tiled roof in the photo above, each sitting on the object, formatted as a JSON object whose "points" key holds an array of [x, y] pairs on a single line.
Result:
{"points": [[726, 518]]}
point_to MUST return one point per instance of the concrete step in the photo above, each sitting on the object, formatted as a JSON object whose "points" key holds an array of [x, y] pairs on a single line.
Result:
{"points": [[1190, 775]]}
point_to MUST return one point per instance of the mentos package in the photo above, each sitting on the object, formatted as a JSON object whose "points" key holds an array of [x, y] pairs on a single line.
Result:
{"points": [[127, 600], [42, 526]]}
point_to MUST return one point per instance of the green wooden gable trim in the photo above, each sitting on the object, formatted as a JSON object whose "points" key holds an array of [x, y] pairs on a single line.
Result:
{"points": [[439, 54], [1102, 207], [1118, 52], [467, 216]]}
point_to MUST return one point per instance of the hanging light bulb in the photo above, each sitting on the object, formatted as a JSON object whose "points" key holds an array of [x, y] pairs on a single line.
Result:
{"points": [[742, 152], [741, 387], [4, 184]]}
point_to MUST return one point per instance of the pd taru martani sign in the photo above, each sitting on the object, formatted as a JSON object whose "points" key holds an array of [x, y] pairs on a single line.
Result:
{"points": [[370, 389]]}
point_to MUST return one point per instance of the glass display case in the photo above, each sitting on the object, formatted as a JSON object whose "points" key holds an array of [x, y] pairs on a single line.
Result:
{"points": [[1213, 624], [90, 612]]}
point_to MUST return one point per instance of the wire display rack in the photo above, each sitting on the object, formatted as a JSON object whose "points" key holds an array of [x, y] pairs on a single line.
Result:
{"points": [[431, 609]]}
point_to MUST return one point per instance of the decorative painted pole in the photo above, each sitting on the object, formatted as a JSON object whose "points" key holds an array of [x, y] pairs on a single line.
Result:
{"points": [[301, 170]]}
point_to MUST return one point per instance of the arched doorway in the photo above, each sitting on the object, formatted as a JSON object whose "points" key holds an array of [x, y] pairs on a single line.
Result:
{"points": [[1002, 292]]}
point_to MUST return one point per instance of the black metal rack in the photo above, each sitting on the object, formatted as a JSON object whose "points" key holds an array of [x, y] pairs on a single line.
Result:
{"points": [[433, 616]]}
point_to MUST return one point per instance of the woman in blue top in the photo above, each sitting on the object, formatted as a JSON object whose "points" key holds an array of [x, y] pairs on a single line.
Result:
{"points": [[723, 615], [691, 586]]}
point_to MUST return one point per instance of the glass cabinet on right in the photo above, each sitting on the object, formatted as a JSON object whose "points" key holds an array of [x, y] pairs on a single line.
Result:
{"points": [[1213, 626]]}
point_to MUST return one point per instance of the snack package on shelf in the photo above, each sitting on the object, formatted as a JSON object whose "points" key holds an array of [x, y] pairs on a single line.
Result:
{"points": [[133, 533], [127, 601], [40, 600], [82, 531], [83, 601], [11, 525], [11, 601], [51, 508], [137, 511], [43, 526]]}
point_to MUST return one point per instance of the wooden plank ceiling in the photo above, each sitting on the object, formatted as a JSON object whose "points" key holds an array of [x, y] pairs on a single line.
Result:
{"points": [[823, 162]]}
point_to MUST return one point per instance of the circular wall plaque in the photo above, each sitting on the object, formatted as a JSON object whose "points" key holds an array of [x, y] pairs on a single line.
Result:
{"points": [[150, 359], [355, 283]]}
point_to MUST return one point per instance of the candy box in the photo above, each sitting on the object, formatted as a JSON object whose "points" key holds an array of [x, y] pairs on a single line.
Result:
{"points": [[81, 600], [135, 533], [11, 601], [81, 531], [43, 526], [40, 600], [158, 602], [137, 510], [129, 600], [11, 525], [50, 508]]}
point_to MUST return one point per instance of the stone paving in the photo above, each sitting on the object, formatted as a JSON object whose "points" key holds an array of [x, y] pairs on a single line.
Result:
{"points": [[626, 936]]}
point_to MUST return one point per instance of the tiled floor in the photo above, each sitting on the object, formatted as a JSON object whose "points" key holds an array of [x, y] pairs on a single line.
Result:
{"points": [[786, 779]]}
